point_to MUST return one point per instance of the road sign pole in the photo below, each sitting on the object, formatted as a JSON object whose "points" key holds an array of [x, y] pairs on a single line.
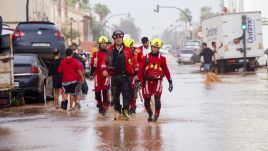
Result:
{"points": [[244, 50]]}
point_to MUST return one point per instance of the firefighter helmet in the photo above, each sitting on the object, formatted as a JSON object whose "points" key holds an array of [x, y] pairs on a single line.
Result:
{"points": [[103, 39], [156, 42], [129, 42]]}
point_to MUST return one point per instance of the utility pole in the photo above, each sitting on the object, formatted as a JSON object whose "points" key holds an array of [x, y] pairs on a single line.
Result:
{"points": [[244, 27], [189, 18], [71, 24], [27, 10]]}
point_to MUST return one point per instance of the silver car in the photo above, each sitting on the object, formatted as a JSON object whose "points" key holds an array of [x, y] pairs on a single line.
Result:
{"points": [[188, 56]]}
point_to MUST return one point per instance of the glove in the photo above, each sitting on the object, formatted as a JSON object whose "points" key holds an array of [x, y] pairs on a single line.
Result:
{"points": [[170, 88], [137, 84]]}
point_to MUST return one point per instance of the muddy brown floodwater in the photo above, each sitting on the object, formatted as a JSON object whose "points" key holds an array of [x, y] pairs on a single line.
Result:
{"points": [[231, 115]]}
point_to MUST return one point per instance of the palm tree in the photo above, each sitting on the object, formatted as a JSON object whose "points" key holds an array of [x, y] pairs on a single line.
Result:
{"points": [[186, 15], [102, 11], [206, 12]]}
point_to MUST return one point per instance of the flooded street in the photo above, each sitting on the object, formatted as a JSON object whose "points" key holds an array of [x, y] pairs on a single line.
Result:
{"points": [[225, 116]]}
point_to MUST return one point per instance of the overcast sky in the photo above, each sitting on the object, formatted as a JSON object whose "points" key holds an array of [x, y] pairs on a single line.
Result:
{"points": [[145, 18]]}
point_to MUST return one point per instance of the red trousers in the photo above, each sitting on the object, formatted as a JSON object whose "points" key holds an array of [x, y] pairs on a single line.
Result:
{"points": [[101, 83], [149, 89], [153, 87]]}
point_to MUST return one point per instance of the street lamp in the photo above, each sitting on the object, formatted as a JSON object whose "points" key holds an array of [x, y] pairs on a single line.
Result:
{"points": [[115, 15], [27, 10], [189, 18], [71, 24], [78, 28]]}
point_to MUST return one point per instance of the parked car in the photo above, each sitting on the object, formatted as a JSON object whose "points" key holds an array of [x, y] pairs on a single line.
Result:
{"points": [[7, 29], [163, 51], [39, 38], [168, 48], [194, 44], [30, 74], [187, 55]]}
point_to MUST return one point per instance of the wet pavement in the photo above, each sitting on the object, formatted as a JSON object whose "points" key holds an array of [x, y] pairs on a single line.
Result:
{"points": [[227, 116]]}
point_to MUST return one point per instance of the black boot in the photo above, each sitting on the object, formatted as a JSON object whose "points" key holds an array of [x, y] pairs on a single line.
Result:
{"points": [[156, 118], [150, 118], [65, 105], [100, 108], [62, 105]]}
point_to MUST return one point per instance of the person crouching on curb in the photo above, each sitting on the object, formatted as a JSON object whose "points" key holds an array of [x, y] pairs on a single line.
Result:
{"points": [[72, 72], [153, 69]]}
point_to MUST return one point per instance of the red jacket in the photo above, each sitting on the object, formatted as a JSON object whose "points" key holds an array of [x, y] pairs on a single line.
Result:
{"points": [[69, 69], [129, 62], [154, 59], [99, 61], [137, 58]]}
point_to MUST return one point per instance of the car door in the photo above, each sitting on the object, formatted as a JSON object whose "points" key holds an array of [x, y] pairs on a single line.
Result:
{"points": [[43, 67], [49, 84]]}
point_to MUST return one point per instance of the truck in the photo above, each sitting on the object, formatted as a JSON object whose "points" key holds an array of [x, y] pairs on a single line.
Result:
{"points": [[226, 31], [6, 70]]}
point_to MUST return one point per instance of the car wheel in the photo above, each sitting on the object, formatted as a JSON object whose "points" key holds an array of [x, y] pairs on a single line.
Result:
{"points": [[192, 61], [42, 97], [222, 67]]}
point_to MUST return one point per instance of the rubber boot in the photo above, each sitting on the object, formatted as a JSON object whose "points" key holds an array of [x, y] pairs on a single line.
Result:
{"points": [[150, 118], [125, 114], [65, 105], [118, 111], [100, 108], [155, 118], [62, 105]]}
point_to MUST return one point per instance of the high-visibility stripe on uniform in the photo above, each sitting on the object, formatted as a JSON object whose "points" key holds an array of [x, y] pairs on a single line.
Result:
{"points": [[96, 80]]}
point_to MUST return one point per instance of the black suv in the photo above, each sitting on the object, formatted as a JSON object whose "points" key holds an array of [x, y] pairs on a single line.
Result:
{"points": [[39, 38]]}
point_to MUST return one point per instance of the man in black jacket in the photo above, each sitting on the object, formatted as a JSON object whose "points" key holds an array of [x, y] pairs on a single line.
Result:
{"points": [[207, 54]]}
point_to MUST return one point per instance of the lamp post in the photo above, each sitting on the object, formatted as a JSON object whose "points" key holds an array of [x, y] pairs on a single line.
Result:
{"points": [[189, 18], [78, 28], [71, 24], [115, 15], [27, 10]]}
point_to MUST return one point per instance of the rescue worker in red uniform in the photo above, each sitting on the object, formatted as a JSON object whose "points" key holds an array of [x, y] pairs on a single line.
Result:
{"points": [[99, 70], [120, 63], [152, 72], [137, 59]]}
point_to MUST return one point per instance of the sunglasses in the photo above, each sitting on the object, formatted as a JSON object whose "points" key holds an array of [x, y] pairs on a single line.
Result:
{"points": [[118, 36]]}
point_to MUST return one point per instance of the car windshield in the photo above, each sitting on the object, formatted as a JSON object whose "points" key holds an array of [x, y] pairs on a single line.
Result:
{"points": [[192, 44], [37, 26], [23, 59], [187, 51]]}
